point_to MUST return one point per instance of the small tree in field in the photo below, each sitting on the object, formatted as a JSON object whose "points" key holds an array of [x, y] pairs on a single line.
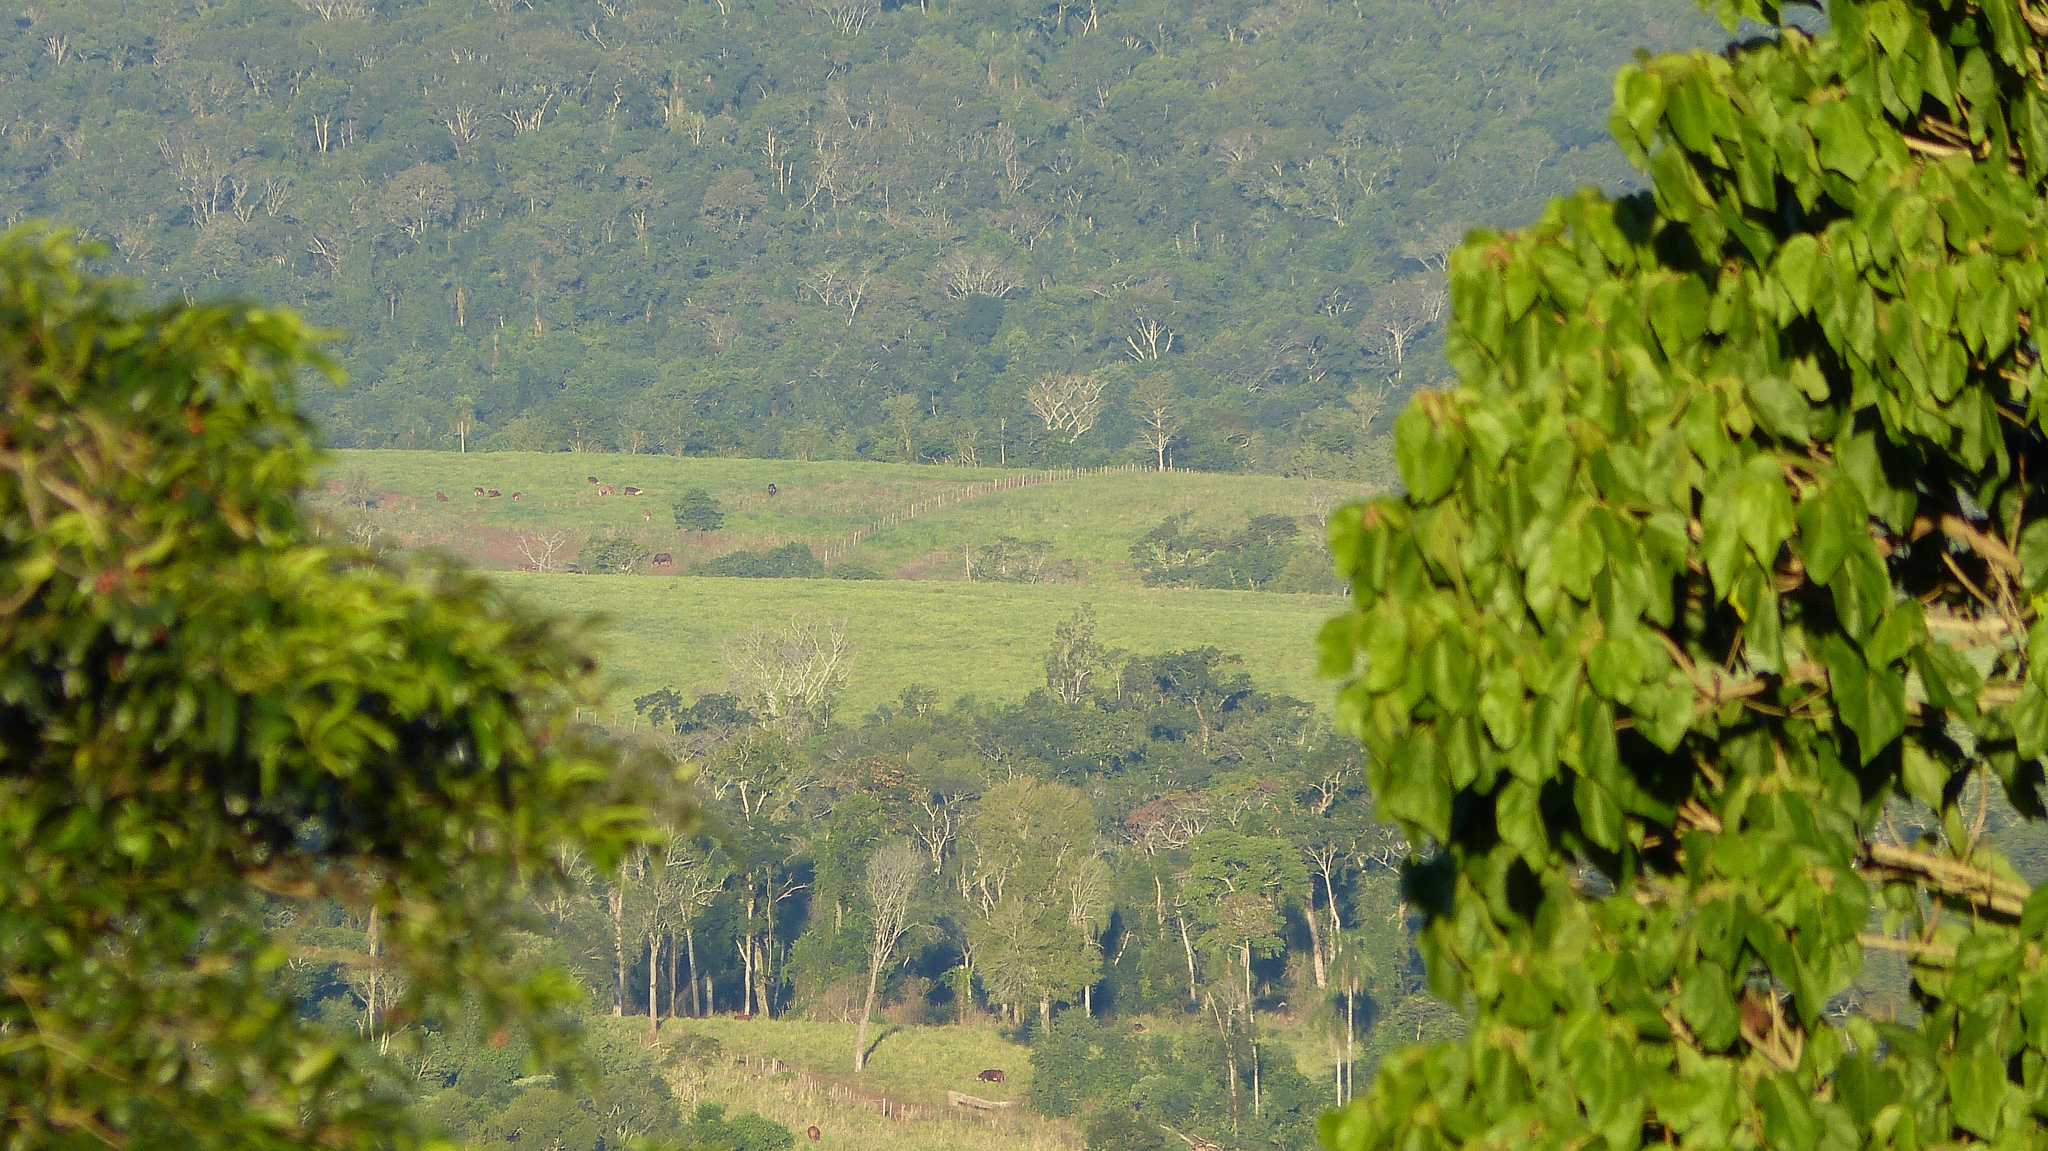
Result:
{"points": [[210, 722], [698, 511], [1704, 633]]}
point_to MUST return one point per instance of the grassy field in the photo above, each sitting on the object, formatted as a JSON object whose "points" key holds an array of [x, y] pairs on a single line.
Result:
{"points": [[928, 515], [800, 1074], [959, 638], [928, 625]]}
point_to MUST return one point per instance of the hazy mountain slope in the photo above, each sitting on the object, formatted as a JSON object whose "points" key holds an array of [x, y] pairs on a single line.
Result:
{"points": [[739, 226]]}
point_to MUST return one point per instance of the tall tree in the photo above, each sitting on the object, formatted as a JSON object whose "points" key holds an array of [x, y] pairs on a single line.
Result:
{"points": [[1728, 539], [893, 876], [210, 715]]}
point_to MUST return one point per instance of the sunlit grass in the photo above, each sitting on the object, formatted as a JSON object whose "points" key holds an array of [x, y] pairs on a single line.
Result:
{"points": [[986, 640]]}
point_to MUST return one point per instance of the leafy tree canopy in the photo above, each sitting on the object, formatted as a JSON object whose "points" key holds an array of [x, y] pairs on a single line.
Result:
{"points": [[208, 722], [1704, 631]]}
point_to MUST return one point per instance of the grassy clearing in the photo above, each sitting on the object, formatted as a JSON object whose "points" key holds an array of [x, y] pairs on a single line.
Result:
{"points": [[914, 1065], [1089, 521], [959, 638]]}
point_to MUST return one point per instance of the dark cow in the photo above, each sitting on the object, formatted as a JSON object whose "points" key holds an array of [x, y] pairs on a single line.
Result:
{"points": [[479, 491], [632, 491], [814, 1133], [772, 490], [664, 557], [992, 1075], [591, 479], [441, 497], [493, 493]]}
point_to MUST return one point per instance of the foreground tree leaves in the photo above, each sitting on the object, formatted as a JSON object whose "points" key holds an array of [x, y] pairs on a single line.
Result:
{"points": [[1725, 545], [206, 719]]}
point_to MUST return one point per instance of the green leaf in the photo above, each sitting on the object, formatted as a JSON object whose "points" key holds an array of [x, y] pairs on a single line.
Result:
{"points": [[1949, 680], [1832, 523], [1780, 408], [1501, 707], [1976, 1091], [1794, 268], [1520, 819], [2029, 718], [1599, 815], [1862, 589], [1427, 452], [1664, 712], [1845, 144], [2034, 914], [1923, 776], [1871, 702], [2033, 554], [1707, 1007]]}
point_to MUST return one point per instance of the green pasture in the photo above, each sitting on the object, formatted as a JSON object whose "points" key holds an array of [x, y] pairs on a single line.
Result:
{"points": [[1089, 521], [915, 1063], [960, 638]]}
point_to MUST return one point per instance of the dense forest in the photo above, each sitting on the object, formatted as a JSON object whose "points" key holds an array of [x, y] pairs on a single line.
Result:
{"points": [[1208, 232]]}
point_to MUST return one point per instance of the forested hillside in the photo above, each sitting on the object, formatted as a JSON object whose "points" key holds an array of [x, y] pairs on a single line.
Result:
{"points": [[973, 230]]}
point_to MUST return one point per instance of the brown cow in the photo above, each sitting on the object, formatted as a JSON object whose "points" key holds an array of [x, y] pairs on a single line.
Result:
{"points": [[664, 557], [814, 1133], [441, 496], [632, 491], [991, 1075], [493, 493], [518, 495], [604, 489], [479, 491]]}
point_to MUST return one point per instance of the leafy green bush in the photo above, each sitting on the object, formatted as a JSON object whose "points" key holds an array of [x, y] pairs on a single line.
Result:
{"points": [[1173, 555], [790, 561], [612, 553], [709, 1130]]}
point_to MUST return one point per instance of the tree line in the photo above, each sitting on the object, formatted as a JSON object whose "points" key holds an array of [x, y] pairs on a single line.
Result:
{"points": [[1143, 836]]}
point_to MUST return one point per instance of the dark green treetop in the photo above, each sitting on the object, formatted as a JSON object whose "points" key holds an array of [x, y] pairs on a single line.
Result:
{"points": [[698, 511], [1706, 625]]}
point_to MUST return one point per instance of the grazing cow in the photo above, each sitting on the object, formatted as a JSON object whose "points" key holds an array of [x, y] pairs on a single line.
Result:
{"points": [[604, 489], [632, 491], [494, 493], [992, 1075], [479, 491], [518, 495], [772, 490], [814, 1133], [441, 497], [664, 558], [744, 1018], [646, 513], [591, 479], [526, 567]]}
